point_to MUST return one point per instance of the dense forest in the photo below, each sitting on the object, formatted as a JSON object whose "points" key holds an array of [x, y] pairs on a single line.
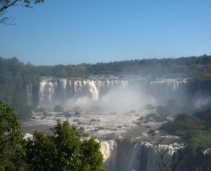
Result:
{"points": [[15, 76], [194, 67]]}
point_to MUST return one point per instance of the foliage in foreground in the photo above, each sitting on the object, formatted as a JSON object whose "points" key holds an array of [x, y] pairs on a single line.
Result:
{"points": [[11, 139], [6, 4], [61, 150]]}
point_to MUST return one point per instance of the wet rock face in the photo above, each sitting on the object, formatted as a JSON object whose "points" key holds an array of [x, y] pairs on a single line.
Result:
{"points": [[95, 120], [76, 120], [85, 135], [152, 117], [152, 132], [68, 115], [99, 128], [77, 114], [149, 107], [81, 129]]}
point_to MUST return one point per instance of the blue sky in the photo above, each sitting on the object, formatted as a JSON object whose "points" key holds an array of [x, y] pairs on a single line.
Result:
{"points": [[91, 31]]}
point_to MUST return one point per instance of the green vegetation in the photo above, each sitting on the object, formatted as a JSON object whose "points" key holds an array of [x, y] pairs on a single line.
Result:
{"points": [[14, 79], [194, 67], [195, 129], [11, 139], [61, 150]]}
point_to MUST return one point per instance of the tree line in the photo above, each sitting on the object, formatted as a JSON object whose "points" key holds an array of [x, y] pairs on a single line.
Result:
{"points": [[198, 67]]}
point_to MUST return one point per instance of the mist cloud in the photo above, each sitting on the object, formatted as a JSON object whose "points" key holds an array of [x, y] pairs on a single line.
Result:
{"points": [[116, 100]]}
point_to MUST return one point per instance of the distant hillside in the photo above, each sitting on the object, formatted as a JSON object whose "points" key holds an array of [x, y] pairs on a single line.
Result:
{"points": [[194, 67]]}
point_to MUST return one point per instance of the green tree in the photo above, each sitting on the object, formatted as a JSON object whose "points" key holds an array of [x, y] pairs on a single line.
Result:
{"points": [[62, 150], [91, 157], [5, 4], [11, 139]]}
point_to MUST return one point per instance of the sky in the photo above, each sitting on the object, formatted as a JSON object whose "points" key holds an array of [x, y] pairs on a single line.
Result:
{"points": [[90, 31]]}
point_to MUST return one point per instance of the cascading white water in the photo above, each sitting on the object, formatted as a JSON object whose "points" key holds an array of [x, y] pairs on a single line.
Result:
{"points": [[55, 89], [192, 94], [29, 94], [47, 90], [127, 155], [166, 89]]}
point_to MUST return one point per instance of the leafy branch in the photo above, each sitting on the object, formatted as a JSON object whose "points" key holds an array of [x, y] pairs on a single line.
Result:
{"points": [[6, 4]]}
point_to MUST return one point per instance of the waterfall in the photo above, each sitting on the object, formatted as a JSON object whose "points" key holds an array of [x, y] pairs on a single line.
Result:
{"points": [[189, 93], [128, 155], [58, 90], [29, 94], [55, 89], [165, 89]]}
